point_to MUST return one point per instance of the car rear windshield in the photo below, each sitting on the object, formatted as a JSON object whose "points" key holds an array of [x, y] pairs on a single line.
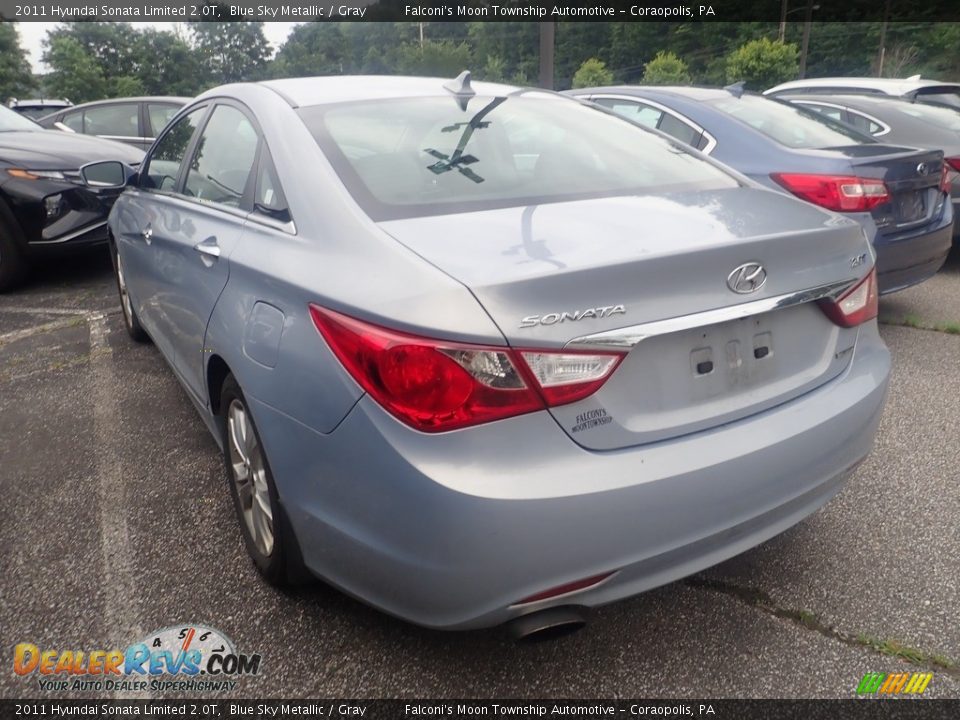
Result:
{"points": [[429, 156], [790, 125], [943, 117], [943, 94]]}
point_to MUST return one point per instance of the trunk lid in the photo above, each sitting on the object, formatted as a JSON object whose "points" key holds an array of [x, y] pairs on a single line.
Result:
{"points": [[551, 273], [912, 178]]}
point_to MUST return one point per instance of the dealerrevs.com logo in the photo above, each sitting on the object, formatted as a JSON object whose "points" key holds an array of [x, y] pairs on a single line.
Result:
{"points": [[190, 658]]}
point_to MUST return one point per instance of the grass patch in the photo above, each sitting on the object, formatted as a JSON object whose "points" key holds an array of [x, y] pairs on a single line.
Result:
{"points": [[894, 648], [915, 321], [810, 621]]}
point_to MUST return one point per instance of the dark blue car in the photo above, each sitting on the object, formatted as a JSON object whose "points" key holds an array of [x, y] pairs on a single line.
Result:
{"points": [[899, 194]]}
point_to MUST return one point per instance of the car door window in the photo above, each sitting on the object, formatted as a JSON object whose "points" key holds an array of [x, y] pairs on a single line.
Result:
{"points": [[862, 122], [830, 112], [117, 120], [680, 130], [223, 159], [632, 110], [159, 114], [74, 121], [163, 165]]}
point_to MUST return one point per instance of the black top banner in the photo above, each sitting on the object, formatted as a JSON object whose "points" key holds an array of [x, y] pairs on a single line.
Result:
{"points": [[484, 10], [316, 709]]}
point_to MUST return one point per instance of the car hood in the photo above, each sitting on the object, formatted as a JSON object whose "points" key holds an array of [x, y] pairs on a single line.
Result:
{"points": [[658, 256], [57, 150]]}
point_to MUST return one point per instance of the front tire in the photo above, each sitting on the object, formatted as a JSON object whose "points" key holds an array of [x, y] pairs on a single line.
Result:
{"points": [[266, 533]]}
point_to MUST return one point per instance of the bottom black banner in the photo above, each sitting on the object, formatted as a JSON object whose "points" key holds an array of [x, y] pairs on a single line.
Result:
{"points": [[428, 709]]}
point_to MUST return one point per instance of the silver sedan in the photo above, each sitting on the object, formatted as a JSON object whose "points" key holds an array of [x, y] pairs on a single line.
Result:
{"points": [[479, 354]]}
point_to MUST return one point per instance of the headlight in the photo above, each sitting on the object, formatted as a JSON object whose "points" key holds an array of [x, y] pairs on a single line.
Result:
{"points": [[37, 174]]}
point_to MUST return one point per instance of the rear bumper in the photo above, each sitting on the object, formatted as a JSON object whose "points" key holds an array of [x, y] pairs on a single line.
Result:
{"points": [[910, 258], [451, 530]]}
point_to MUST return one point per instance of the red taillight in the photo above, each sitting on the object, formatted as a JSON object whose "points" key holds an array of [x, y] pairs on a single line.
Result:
{"points": [[950, 166], [857, 305], [842, 193], [435, 385]]}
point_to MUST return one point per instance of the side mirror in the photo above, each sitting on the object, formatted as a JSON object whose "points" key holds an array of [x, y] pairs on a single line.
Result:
{"points": [[65, 128], [106, 174]]}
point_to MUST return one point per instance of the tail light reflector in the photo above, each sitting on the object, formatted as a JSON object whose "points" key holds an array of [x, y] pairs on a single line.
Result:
{"points": [[566, 588], [436, 385], [841, 193], [855, 306]]}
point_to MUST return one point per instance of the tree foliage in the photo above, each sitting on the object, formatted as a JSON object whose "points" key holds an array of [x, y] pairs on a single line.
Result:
{"points": [[74, 74], [591, 73], [15, 77], [442, 58], [762, 63], [230, 51], [666, 69], [107, 59]]}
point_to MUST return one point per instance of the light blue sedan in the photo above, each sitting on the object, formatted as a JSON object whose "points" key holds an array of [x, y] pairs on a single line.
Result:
{"points": [[478, 354]]}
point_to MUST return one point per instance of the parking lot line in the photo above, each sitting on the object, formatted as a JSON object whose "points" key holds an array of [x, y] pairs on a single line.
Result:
{"points": [[116, 547]]}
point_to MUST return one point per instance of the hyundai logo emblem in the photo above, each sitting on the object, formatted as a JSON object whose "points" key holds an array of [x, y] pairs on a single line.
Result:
{"points": [[922, 169], [747, 278]]}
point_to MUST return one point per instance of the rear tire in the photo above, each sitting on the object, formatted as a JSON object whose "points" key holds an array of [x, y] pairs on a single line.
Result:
{"points": [[13, 266], [130, 320], [267, 534]]}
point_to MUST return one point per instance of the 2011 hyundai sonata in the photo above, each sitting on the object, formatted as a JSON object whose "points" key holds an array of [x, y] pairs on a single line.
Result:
{"points": [[479, 353]]}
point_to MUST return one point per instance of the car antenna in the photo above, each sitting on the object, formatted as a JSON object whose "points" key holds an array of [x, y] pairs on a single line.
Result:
{"points": [[737, 88], [460, 87]]}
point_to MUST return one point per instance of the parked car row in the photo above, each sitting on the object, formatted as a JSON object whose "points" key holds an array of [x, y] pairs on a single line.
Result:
{"points": [[477, 354], [898, 193]]}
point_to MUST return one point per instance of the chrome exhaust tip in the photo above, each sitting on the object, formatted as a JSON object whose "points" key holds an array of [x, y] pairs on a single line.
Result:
{"points": [[550, 624]]}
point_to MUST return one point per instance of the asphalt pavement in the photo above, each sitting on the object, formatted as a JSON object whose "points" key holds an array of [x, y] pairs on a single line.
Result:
{"points": [[117, 522]]}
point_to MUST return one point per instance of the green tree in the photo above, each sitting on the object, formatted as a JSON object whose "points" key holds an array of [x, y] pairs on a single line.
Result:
{"points": [[442, 58], [763, 63], [73, 73], [591, 73], [313, 49], [111, 45], [666, 69], [174, 68], [15, 76], [495, 69], [231, 51]]}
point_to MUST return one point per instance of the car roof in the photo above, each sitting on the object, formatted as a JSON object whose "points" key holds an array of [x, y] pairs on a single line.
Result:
{"points": [[692, 92], [40, 102], [304, 92], [144, 98], [889, 86], [851, 99]]}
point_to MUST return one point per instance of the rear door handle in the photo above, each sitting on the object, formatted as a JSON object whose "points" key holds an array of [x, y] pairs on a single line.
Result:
{"points": [[147, 233], [208, 247]]}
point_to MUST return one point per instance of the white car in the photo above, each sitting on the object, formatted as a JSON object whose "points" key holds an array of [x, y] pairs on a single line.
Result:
{"points": [[912, 88]]}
